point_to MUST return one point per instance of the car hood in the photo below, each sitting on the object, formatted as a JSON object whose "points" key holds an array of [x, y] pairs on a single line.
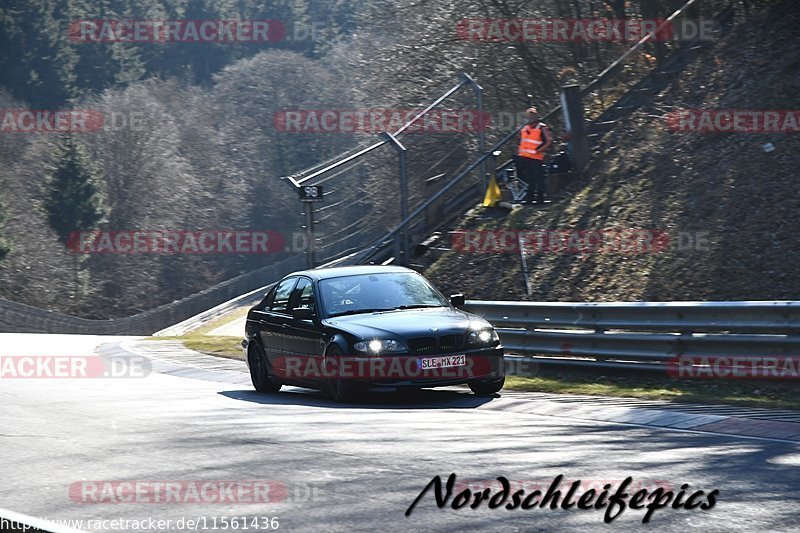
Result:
{"points": [[407, 323]]}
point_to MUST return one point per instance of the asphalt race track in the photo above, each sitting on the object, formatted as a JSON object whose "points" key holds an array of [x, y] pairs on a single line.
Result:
{"points": [[352, 467]]}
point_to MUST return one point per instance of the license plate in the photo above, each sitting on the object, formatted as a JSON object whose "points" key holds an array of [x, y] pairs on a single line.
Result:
{"points": [[447, 361]]}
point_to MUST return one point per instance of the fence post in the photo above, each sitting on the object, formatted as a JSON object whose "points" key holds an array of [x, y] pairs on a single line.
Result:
{"points": [[401, 155], [397, 248], [572, 107], [310, 260], [481, 124]]}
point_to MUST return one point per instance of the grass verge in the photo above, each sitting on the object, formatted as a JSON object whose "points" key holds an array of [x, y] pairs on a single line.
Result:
{"points": [[726, 392], [220, 346], [228, 347]]}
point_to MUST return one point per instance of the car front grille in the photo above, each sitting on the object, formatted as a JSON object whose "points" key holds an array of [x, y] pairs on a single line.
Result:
{"points": [[430, 345], [421, 345], [448, 343]]}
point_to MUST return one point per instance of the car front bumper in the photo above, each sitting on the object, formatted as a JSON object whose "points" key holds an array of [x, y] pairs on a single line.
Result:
{"points": [[403, 371]]}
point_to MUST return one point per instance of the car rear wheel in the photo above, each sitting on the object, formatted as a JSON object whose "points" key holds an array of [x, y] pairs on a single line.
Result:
{"points": [[341, 389], [259, 371], [484, 388]]}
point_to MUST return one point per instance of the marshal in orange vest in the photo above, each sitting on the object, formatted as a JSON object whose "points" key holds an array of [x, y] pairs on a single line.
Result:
{"points": [[532, 139]]}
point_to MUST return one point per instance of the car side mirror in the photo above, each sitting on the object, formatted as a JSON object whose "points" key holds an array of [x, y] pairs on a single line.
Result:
{"points": [[302, 313], [457, 300]]}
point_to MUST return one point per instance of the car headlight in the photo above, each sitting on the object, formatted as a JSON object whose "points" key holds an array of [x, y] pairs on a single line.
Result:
{"points": [[378, 346], [483, 336]]}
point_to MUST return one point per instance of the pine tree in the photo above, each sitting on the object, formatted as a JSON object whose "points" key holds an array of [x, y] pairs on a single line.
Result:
{"points": [[73, 200]]}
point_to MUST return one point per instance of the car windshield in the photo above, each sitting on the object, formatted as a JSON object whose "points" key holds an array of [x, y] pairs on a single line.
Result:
{"points": [[378, 292]]}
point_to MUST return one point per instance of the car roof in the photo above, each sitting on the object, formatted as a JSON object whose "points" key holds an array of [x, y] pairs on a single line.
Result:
{"points": [[337, 272]]}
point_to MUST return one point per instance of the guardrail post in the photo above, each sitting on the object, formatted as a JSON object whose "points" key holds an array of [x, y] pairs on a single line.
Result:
{"points": [[572, 107], [401, 155]]}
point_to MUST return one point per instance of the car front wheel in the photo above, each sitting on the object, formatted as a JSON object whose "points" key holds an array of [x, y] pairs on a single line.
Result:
{"points": [[259, 371], [485, 388], [340, 388]]}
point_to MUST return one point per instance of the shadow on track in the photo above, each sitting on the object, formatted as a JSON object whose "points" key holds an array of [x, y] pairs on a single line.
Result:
{"points": [[407, 399]]}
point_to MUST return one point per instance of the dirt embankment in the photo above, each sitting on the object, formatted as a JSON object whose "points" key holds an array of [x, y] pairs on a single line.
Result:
{"points": [[742, 200]]}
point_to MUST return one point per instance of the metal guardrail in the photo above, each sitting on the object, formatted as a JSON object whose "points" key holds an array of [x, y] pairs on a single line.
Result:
{"points": [[642, 335], [245, 300], [648, 37], [298, 179], [343, 218], [21, 318]]}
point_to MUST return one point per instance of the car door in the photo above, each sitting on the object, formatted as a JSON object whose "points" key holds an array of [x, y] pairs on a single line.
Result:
{"points": [[304, 343], [274, 321]]}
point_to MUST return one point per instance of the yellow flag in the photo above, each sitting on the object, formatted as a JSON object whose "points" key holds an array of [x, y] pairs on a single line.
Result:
{"points": [[493, 194]]}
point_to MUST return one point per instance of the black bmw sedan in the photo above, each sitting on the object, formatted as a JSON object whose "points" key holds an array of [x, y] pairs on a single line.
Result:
{"points": [[349, 329]]}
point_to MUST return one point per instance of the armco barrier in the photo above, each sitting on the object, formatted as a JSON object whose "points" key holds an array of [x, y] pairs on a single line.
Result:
{"points": [[175, 318], [248, 299], [20, 318], [642, 335]]}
